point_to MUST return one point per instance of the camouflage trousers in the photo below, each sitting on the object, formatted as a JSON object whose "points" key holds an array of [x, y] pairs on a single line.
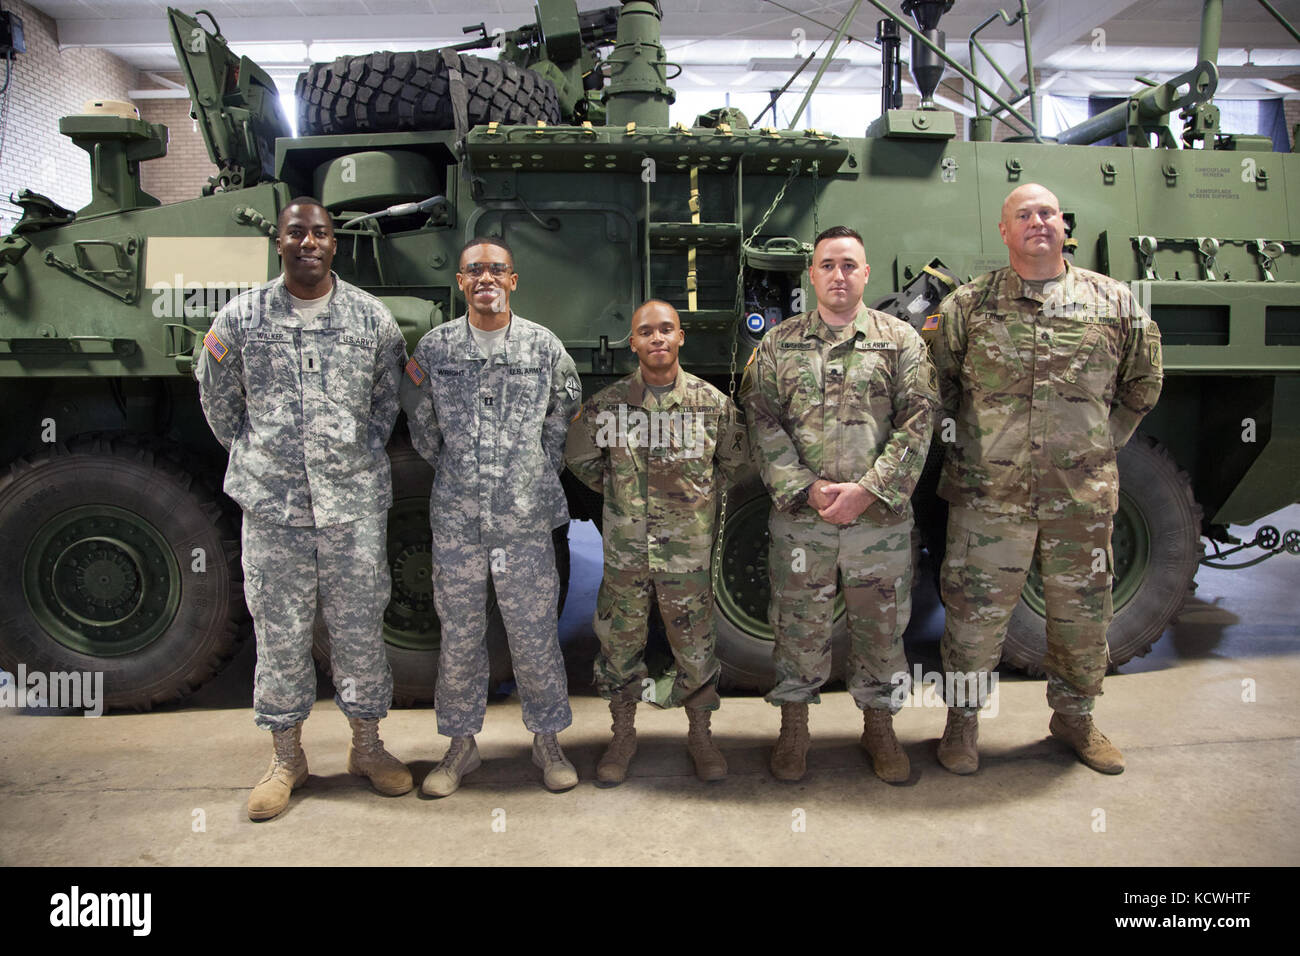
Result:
{"points": [[875, 565], [527, 589], [287, 571], [984, 569], [622, 613]]}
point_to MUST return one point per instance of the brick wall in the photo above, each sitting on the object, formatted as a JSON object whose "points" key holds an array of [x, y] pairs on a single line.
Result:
{"points": [[45, 85], [184, 171], [1292, 110]]}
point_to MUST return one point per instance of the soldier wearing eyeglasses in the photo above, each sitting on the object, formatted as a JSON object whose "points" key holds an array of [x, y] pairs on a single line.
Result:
{"points": [[488, 398]]}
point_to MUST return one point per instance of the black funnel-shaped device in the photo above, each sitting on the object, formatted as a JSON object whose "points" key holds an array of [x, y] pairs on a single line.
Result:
{"points": [[927, 68]]}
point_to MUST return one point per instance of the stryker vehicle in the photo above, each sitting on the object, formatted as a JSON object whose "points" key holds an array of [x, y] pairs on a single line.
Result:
{"points": [[120, 553]]}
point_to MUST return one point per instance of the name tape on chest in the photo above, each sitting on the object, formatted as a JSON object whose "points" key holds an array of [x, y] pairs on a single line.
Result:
{"points": [[795, 346], [269, 338]]}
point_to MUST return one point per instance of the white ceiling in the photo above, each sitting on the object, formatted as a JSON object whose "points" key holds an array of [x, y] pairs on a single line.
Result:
{"points": [[716, 40]]}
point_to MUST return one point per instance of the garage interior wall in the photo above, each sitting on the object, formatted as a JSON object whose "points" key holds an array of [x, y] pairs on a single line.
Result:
{"points": [[47, 84], [184, 171]]}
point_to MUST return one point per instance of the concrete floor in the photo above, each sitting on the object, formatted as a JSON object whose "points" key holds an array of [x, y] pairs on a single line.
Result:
{"points": [[1211, 779]]}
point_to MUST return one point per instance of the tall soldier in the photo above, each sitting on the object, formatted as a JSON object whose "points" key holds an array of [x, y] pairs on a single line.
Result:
{"points": [[840, 403], [298, 380], [649, 444], [1046, 370], [489, 397]]}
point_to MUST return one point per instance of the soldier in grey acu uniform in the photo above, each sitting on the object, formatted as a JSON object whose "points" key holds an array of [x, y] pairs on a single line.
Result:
{"points": [[298, 380], [489, 397]]}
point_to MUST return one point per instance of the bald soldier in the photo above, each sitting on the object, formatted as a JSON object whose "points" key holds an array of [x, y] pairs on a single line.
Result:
{"points": [[1046, 370], [656, 444], [840, 404]]}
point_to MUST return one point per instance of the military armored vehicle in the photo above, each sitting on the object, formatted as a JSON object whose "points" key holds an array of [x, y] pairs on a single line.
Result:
{"points": [[121, 554]]}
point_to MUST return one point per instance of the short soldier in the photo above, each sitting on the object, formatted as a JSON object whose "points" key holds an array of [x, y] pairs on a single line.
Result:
{"points": [[649, 444], [489, 397], [840, 403], [298, 380], [1046, 370]]}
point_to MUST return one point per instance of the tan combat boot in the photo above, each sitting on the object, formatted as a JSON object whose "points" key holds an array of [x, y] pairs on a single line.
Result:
{"points": [[461, 758], [288, 770], [612, 769], [709, 762], [368, 758], [957, 750], [557, 773], [878, 739], [1088, 742], [790, 755]]}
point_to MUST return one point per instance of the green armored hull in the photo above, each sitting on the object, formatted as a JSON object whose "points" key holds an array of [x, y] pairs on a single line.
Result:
{"points": [[123, 556]]}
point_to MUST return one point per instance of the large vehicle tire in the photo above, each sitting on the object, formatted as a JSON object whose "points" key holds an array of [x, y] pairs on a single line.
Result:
{"points": [[741, 591], [1157, 549], [386, 92], [412, 632], [118, 560]]}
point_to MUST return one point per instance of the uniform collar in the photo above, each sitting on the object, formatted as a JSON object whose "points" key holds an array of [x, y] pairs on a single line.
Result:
{"points": [[279, 302], [1016, 287], [638, 391], [467, 345], [862, 322]]}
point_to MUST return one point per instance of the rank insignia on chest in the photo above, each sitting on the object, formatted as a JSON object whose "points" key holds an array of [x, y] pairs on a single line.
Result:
{"points": [[931, 322], [215, 346], [414, 372]]}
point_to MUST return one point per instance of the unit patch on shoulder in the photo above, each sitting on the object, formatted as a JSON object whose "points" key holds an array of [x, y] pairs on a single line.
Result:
{"points": [[931, 322], [215, 346], [574, 388], [414, 372]]}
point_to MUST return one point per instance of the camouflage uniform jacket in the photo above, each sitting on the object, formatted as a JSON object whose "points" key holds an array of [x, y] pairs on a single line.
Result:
{"points": [[653, 460], [1042, 391], [493, 429], [304, 410], [849, 404]]}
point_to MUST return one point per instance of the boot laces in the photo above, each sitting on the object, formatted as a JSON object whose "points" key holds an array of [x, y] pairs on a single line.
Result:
{"points": [[551, 748], [459, 746]]}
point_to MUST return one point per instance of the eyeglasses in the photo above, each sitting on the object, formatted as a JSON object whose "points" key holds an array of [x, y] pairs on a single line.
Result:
{"points": [[476, 269]]}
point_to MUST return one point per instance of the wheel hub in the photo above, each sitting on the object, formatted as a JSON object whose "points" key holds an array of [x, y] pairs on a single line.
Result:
{"points": [[101, 580], [410, 620]]}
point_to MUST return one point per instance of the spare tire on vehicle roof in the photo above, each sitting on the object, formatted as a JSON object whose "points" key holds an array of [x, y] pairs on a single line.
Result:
{"points": [[387, 92]]}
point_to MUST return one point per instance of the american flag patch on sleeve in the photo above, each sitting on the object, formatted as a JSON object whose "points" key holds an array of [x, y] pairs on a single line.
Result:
{"points": [[931, 322], [414, 372], [215, 346]]}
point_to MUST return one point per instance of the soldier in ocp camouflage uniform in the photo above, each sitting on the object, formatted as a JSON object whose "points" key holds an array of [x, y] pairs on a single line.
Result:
{"points": [[489, 397], [649, 443], [840, 403], [298, 380], [1046, 370]]}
